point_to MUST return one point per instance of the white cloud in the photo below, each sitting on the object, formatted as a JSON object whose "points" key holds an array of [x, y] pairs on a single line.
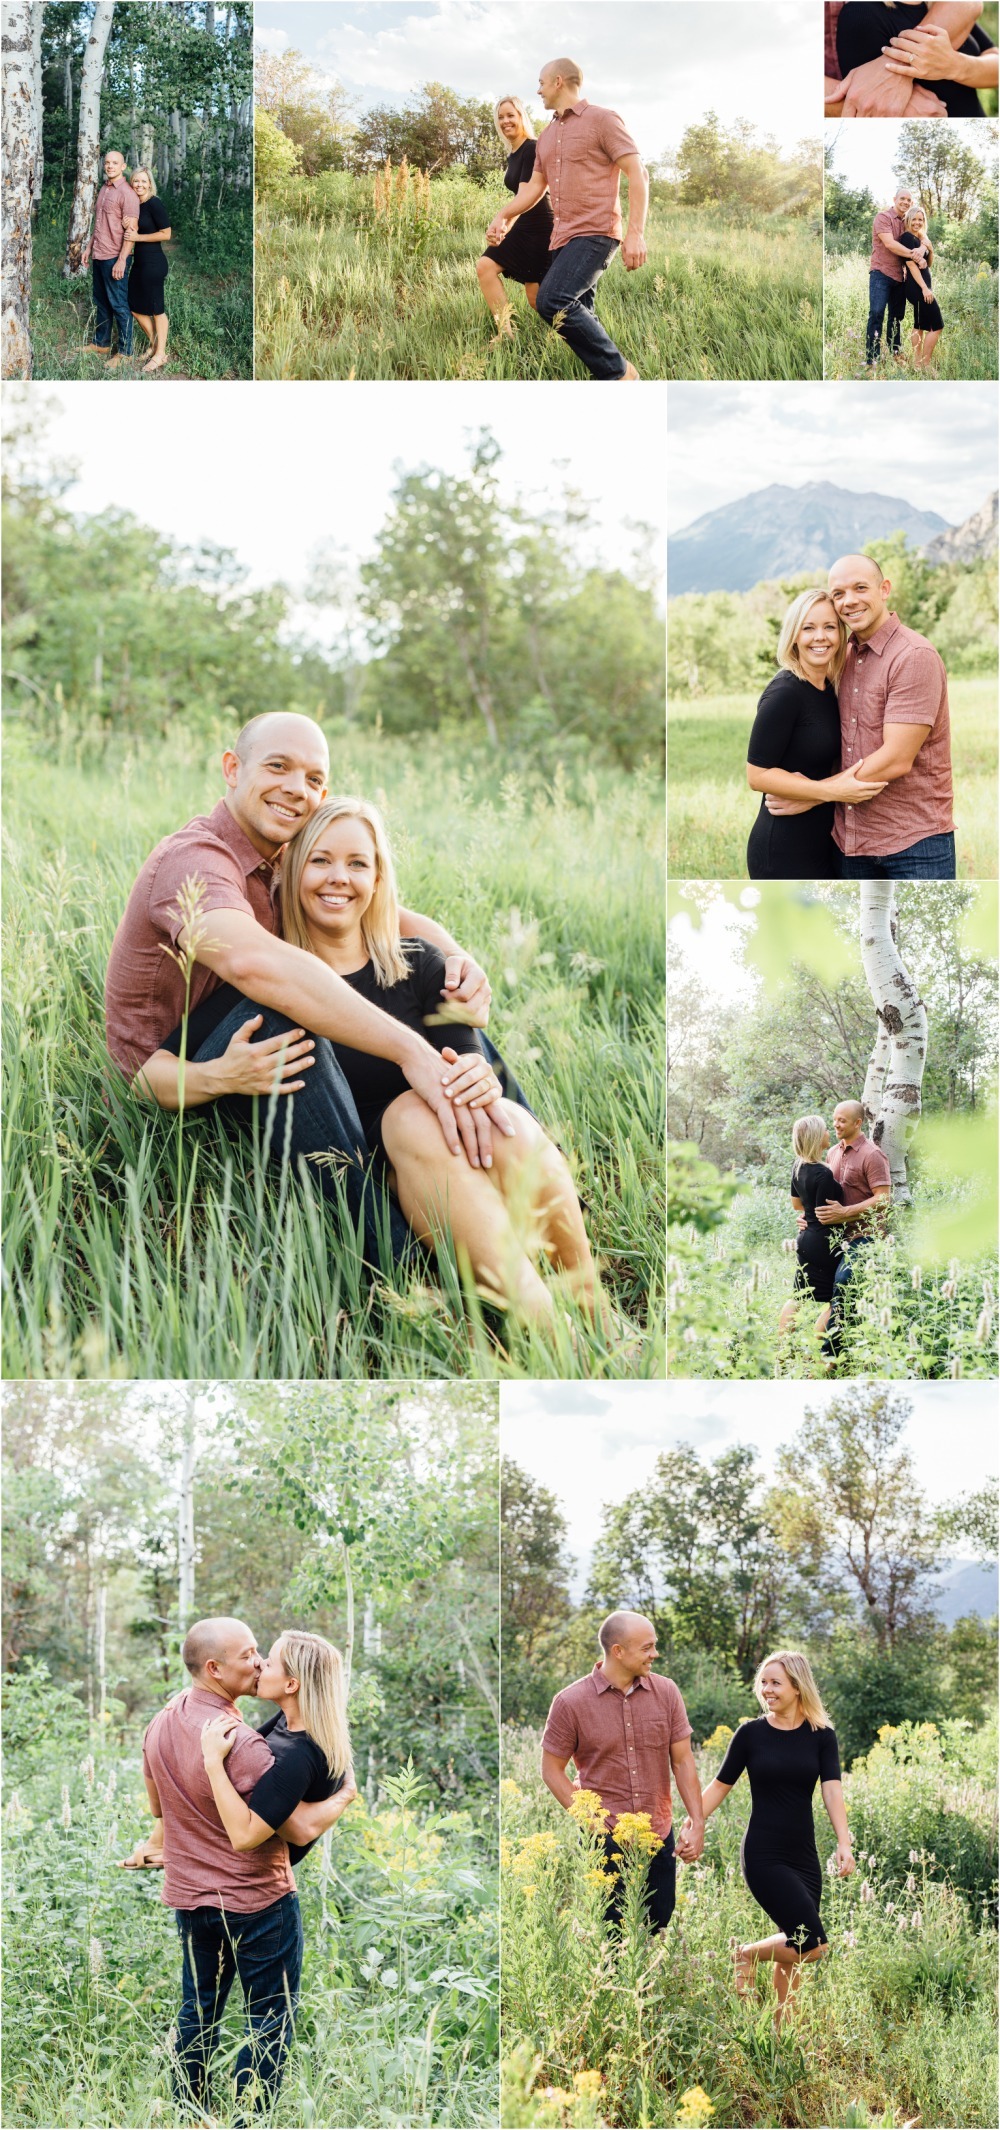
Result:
{"points": [[936, 449], [275, 41]]}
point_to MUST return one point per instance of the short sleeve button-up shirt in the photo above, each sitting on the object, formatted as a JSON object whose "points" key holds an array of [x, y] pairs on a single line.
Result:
{"points": [[577, 155], [895, 678], [144, 988], [882, 261], [620, 1742], [114, 202]]}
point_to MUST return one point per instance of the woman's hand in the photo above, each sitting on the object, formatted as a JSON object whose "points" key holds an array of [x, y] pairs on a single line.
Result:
{"points": [[217, 1737], [922, 54], [474, 1085], [146, 1856], [497, 230], [845, 1860], [850, 787], [270, 1067]]}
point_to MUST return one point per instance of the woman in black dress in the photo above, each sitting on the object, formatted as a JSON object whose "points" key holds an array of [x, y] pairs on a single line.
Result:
{"points": [[928, 324], [866, 28], [794, 749], [524, 253], [339, 901], [813, 1184], [149, 270], [785, 1752], [308, 1737]]}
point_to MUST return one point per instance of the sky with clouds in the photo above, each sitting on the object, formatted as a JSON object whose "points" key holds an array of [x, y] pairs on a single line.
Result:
{"points": [[660, 63], [278, 471], [593, 1445], [865, 149], [937, 450]]}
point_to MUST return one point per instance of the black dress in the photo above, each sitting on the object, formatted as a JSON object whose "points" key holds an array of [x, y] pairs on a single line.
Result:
{"points": [[816, 1185], [150, 265], [779, 1859], [926, 315], [524, 254], [864, 26], [796, 728], [300, 1775]]}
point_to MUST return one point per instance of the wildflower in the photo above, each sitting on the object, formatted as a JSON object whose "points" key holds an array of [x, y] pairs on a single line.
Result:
{"points": [[867, 1893], [389, 1978], [948, 1290], [911, 1884], [95, 1956], [67, 1816], [917, 1919], [719, 1739], [595, 1875], [510, 1790], [849, 1940], [955, 1371], [587, 1810], [914, 1856], [112, 1785], [690, 1336], [885, 1319], [902, 1923], [695, 2109], [373, 1958], [588, 2082], [890, 1908], [873, 1860], [87, 1770], [634, 1830], [916, 1278], [984, 1327]]}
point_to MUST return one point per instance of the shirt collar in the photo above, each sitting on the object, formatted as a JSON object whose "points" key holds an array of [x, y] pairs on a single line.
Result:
{"points": [[603, 1683], [573, 110], [861, 1140], [222, 824], [220, 1702], [885, 631]]}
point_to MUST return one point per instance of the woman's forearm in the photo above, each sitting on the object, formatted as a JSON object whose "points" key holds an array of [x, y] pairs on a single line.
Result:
{"points": [[153, 236], [833, 1799], [234, 1812], [160, 1077], [784, 783], [714, 1796]]}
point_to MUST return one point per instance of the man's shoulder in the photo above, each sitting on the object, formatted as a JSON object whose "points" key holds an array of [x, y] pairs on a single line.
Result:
{"points": [[907, 639], [664, 1688], [201, 833], [578, 1688]]}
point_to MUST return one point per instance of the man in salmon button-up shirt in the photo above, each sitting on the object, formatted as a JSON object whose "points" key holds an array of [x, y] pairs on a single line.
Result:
{"points": [[625, 1728], [579, 159], [110, 246]]}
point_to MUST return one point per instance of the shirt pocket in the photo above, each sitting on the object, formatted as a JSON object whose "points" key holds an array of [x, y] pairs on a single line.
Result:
{"points": [[864, 715]]}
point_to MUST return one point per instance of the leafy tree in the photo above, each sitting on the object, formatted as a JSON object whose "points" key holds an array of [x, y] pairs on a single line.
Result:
{"points": [[437, 130], [972, 1521], [940, 164], [276, 158], [534, 1568]]}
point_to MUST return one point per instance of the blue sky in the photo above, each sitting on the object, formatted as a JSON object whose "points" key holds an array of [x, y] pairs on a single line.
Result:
{"points": [[660, 63]]}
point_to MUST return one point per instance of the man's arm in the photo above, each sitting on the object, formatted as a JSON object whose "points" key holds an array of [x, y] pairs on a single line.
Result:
{"points": [[274, 973], [902, 250], [834, 1216], [555, 1778], [872, 91], [685, 1773], [527, 195], [900, 747], [633, 242], [309, 1821], [130, 227]]}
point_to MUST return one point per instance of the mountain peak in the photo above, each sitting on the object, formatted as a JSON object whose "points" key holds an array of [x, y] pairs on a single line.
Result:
{"points": [[781, 531]]}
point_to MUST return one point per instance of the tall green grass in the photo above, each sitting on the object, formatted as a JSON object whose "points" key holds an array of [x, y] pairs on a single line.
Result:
{"points": [[556, 888], [711, 809], [210, 312], [967, 292], [342, 292]]}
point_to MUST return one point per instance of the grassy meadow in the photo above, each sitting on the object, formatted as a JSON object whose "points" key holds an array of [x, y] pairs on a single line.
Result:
{"points": [[896, 2025], [208, 299], [350, 286], [967, 293], [111, 1269], [398, 2011], [711, 809]]}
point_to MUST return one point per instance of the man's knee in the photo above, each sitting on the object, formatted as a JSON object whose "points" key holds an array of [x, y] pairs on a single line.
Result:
{"points": [[548, 304]]}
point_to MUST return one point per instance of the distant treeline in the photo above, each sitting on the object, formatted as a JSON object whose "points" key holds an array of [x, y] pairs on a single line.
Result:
{"points": [[478, 618], [723, 643], [954, 184]]}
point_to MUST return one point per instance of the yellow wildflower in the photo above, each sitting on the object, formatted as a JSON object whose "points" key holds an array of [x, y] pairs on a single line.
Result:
{"points": [[634, 1830], [719, 1739], [535, 1852], [588, 2082], [510, 1790], [596, 1876], [695, 2109], [588, 1812]]}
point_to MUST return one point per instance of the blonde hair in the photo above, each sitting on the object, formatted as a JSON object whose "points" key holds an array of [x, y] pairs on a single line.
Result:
{"points": [[142, 170], [786, 653], [380, 923], [799, 1671], [807, 1140], [319, 1669], [522, 115], [908, 224]]}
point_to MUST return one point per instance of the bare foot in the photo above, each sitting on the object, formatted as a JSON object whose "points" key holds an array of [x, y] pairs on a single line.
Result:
{"points": [[93, 347], [743, 1968], [629, 374]]}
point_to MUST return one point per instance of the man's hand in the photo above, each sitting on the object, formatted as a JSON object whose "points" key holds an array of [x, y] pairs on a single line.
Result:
{"points": [[831, 1214], [467, 985], [146, 1856], [922, 54], [690, 1842], [85, 256], [872, 91], [119, 266], [217, 1737], [247, 1068], [633, 251]]}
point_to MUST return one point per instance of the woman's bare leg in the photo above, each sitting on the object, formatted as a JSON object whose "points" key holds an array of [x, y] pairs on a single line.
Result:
{"points": [[539, 1193], [531, 291], [159, 354], [930, 348], [787, 1963], [437, 1189], [823, 1319], [495, 295], [140, 318], [789, 1312]]}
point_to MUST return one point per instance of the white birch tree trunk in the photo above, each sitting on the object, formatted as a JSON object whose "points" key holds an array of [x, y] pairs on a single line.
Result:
{"points": [[896, 1068], [88, 138], [36, 103], [326, 1858], [20, 128], [101, 1646], [185, 1525]]}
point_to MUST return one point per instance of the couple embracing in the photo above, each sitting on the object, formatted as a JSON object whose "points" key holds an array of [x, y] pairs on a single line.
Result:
{"points": [[264, 965], [851, 744], [625, 1728], [233, 1809]]}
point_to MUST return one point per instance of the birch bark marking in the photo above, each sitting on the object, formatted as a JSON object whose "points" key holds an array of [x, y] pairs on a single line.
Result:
{"points": [[88, 139], [38, 153], [20, 127], [896, 1068], [185, 1524]]}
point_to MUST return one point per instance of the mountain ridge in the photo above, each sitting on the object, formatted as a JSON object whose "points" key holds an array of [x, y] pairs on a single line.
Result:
{"points": [[781, 531]]}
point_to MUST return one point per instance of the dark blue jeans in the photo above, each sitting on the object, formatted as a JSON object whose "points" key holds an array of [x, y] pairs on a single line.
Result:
{"points": [[265, 1950], [933, 858], [842, 1278], [322, 1120], [884, 294], [567, 292], [661, 1884], [111, 305]]}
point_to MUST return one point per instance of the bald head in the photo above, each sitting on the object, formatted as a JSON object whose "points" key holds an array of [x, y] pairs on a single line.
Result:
{"points": [[215, 1641], [281, 729], [859, 589], [559, 84], [856, 566], [621, 1627]]}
